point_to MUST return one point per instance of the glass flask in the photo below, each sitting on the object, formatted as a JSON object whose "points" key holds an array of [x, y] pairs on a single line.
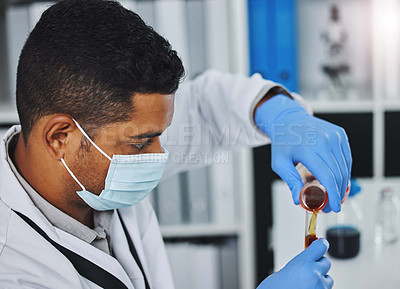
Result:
{"points": [[388, 218], [344, 231]]}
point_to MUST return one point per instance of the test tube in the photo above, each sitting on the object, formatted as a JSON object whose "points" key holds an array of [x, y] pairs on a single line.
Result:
{"points": [[313, 198], [310, 228]]}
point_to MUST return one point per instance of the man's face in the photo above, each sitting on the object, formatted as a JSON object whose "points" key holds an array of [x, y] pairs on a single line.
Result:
{"points": [[151, 116]]}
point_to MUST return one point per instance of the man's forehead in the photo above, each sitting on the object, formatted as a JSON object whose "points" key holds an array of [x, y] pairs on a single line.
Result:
{"points": [[151, 115], [152, 101]]}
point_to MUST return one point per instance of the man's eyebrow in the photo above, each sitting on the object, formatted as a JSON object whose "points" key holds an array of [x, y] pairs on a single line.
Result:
{"points": [[146, 135]]}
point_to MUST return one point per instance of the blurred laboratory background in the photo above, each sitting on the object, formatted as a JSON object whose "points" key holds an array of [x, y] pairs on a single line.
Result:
{"points": [[231, 224]]}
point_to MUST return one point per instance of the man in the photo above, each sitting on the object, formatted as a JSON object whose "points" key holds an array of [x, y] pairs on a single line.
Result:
{"points": [[96, 89]]}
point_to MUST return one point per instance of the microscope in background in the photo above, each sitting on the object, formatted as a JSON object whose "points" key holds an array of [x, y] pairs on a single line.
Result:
{"points": [[335, 66]]}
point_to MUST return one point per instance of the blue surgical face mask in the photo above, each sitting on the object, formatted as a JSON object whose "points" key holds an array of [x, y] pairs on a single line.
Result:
{"points": [[129, 180]]}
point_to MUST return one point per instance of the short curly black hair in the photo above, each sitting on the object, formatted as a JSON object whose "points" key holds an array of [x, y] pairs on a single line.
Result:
{"points": [[87, 59]]}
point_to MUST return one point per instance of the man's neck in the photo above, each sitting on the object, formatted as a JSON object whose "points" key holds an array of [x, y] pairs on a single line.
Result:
{"points": [[24, 164]]}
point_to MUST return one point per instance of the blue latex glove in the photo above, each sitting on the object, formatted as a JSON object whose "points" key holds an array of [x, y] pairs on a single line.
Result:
{"points": [[308, 270], [355, 188], [297, 136]]}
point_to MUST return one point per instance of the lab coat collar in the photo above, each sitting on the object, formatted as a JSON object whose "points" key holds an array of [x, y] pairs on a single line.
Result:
{"points": [[12, 193], [14, 196]]}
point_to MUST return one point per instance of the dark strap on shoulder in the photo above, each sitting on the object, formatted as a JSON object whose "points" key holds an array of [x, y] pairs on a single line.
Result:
{"points": [[133, 250], [84, 267]]}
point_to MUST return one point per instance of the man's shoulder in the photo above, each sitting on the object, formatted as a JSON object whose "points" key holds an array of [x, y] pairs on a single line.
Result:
{"points": [[27, 258]]}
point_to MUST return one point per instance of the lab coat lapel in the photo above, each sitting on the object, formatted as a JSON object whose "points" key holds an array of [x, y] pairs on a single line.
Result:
{"points": [[96, 256], [122, 252]]}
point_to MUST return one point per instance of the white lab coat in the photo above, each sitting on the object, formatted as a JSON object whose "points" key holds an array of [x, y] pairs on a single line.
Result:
{"points": [[27, 260]]}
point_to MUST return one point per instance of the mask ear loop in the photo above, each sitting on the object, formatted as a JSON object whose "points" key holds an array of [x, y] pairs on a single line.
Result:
{"points": [[89, 139], [72, 175]]}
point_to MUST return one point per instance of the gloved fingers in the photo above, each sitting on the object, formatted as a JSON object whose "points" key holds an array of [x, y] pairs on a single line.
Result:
{"points": [[345, 145], [330, 159], [316, 250], [327, 209], [326, 282], [345, 173], [285, 168], [326, 177], [341, 160], [323, 266], [334, 137], [333, 133]]}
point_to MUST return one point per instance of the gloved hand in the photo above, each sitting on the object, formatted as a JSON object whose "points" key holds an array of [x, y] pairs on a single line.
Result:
{"points": [[297, 136], [308, 270]]}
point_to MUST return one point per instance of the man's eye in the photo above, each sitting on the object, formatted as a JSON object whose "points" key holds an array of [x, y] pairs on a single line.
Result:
{"points": [[141, 146]]}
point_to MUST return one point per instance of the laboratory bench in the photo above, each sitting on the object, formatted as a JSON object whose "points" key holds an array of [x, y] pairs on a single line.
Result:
{"points": [[376, 266]]}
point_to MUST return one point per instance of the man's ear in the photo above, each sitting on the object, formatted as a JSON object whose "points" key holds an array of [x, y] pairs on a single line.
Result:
{"points": [[59, 132]]}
